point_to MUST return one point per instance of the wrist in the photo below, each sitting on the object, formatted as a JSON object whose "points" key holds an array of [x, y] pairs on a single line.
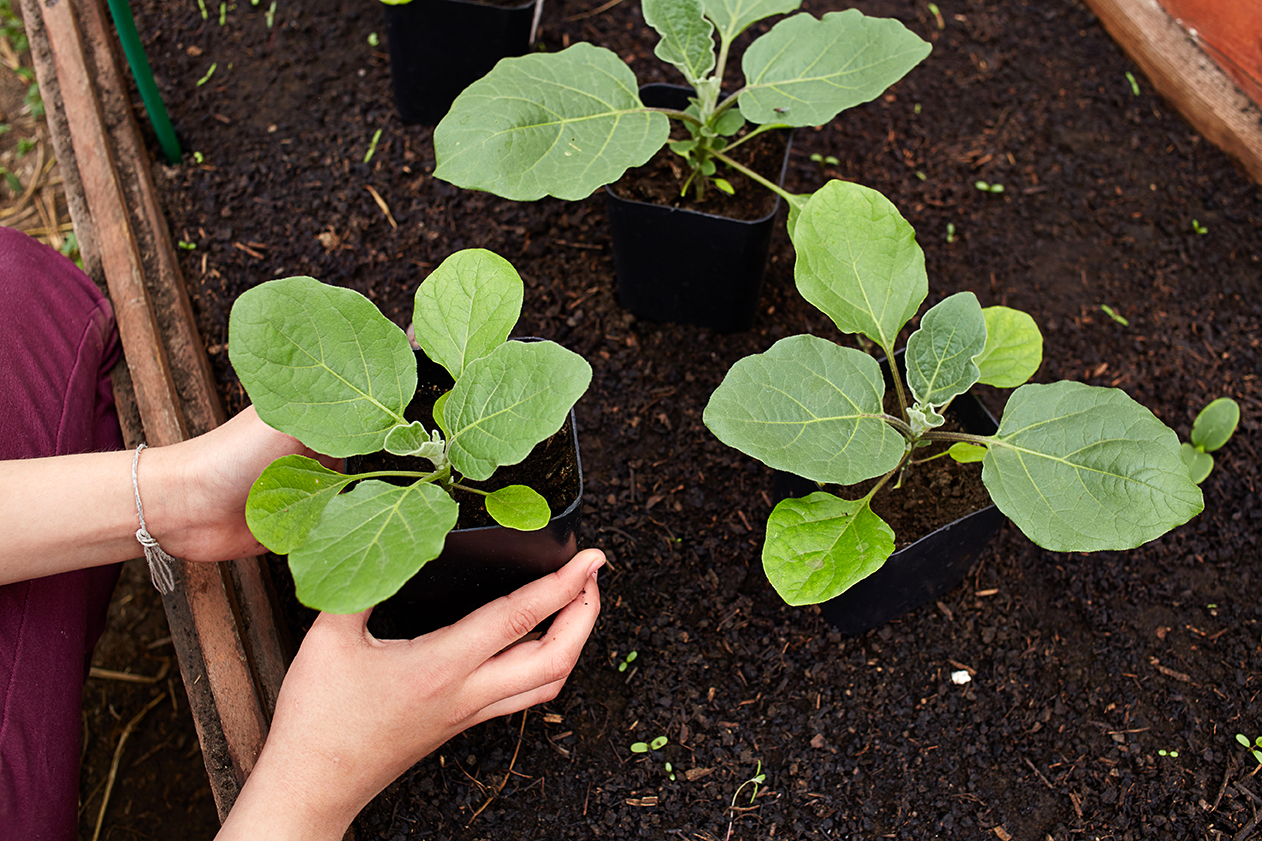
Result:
{"points": [[277, 804]]}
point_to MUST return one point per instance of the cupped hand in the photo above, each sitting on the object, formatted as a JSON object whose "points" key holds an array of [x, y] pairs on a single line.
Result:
{"points": [[355, 712], [194, 492]]}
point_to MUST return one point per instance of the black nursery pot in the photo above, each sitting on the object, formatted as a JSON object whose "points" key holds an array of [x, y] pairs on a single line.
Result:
{"points": [[922, 571], [478, 565], [684, 266], [440, 47]]}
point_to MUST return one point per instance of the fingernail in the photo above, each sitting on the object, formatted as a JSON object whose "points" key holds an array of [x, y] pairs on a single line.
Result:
{"points": [[591, 572]]}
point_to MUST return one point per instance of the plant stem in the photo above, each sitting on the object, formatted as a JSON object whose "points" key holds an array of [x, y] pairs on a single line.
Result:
{"points": [[470, 490], [674, 114], [407, 474], [898, 382], [903, 427], [775, 188], [939, 435]]}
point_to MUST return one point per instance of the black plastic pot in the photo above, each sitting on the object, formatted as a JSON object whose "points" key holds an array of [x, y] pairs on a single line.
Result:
{"points": [[684, 266], [922, 571], [478, 565], [439, 47]]}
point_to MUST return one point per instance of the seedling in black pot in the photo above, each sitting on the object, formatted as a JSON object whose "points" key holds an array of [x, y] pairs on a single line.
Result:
{"points": [[323, 364]]}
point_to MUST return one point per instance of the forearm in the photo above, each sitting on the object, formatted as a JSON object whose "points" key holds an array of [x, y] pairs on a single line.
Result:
{"points": [[69, 512]]}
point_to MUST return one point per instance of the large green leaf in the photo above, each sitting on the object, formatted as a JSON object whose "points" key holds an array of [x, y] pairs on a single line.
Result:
{"points": [[322, 364], [732, 17], [466, 307], [1084, 469], [369, 542], [1014, 348], [510, 400], [940, 354], [288, 499], [808, 407], [805, 71], [560, 124], [858, 261], [820, 546], [687, 37]]}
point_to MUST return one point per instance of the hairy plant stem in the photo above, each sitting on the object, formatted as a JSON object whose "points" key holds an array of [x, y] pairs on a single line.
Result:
{"points": [[470, 490], [898, 383], [938, 435], [435, 476]]}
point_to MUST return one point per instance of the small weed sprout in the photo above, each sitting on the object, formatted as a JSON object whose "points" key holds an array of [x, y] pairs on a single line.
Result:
{"points": [[823, 160], [187, 246], [628, 660], [372, 147], [987, 187], [211, 72], [1254, 748], [758, 779], [1198, 228], [1113, 314], [937, 16], [201, 4], [656, 744], [373, 40], [271, 14], [198, 158], [950, 237], [1212, 429], [1134, 84], [1173, 754]]}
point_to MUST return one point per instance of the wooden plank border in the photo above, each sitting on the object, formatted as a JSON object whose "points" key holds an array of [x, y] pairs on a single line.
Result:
{"points": [[1187, 76], [221, 615]]}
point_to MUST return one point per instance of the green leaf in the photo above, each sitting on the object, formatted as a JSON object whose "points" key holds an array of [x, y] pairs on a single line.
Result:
{"points": [[805, 71], [820, 546], [1085, 469], [858, 261], [510, 400], [560, 124], [732, 17], [1014, 348], [322, 364], [1199, 464], [966, 453], [466, 308], [415, 440], [287, 500], [639, 747], [659, 743], [687, 37], [730, 122], [808, 407], [438, 411], [518, 507], [1215, 425], [940, 354], [369, 542]]}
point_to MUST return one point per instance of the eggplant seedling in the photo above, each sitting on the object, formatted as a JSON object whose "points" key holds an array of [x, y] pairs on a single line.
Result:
{"points": [[1212, 428], [323, 364], [566, 123], [1077, 468], [1254, 748]]}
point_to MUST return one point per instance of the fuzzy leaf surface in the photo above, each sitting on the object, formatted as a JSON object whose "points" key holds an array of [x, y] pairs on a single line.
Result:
{"points": [[820, 546], [288, 499], [805, 71], [732, 17], [1014, 348], [559, 124], [858, 261], [1085, 469], [510, 400], [940, 354], [322, 364], [466, 308], [687, 37], [369, 542], [808, 407], [518, 507]]}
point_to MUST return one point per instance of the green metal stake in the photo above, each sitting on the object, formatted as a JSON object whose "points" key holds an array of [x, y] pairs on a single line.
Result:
{"points": [[140, 69]]}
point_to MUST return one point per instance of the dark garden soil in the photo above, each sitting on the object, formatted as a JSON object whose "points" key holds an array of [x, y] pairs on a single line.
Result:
{"points": [[1089, 672]]}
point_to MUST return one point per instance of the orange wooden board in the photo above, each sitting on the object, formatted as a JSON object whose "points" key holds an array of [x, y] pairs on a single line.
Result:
{"points": [[1231, 32]]}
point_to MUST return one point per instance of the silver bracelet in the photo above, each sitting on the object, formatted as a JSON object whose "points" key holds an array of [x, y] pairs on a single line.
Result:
{"points": [[161, 564]]}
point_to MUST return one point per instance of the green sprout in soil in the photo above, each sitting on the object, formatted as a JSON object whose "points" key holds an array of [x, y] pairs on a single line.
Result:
{"points": [[937, 15], [372, 147], [187, 246], [15, 184], [824, 160], [950, 237], [198, 157], [627, 661], [201, 4], [1173, 754], [1198, 228], [223, 13], [987, 187], [758, 779], [373, 40], [271, 14], [920, 175], [211, 72], [645, 747], [1212, 428], [1254, 748], [1113, 314], [1134, 85]]}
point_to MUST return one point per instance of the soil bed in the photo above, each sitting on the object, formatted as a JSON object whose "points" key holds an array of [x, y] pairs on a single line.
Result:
{"points": [[1084, 669]]}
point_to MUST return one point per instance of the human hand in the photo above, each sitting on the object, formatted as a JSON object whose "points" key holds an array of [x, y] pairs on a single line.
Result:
{"points": [[355, 712], [195, 505]]}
